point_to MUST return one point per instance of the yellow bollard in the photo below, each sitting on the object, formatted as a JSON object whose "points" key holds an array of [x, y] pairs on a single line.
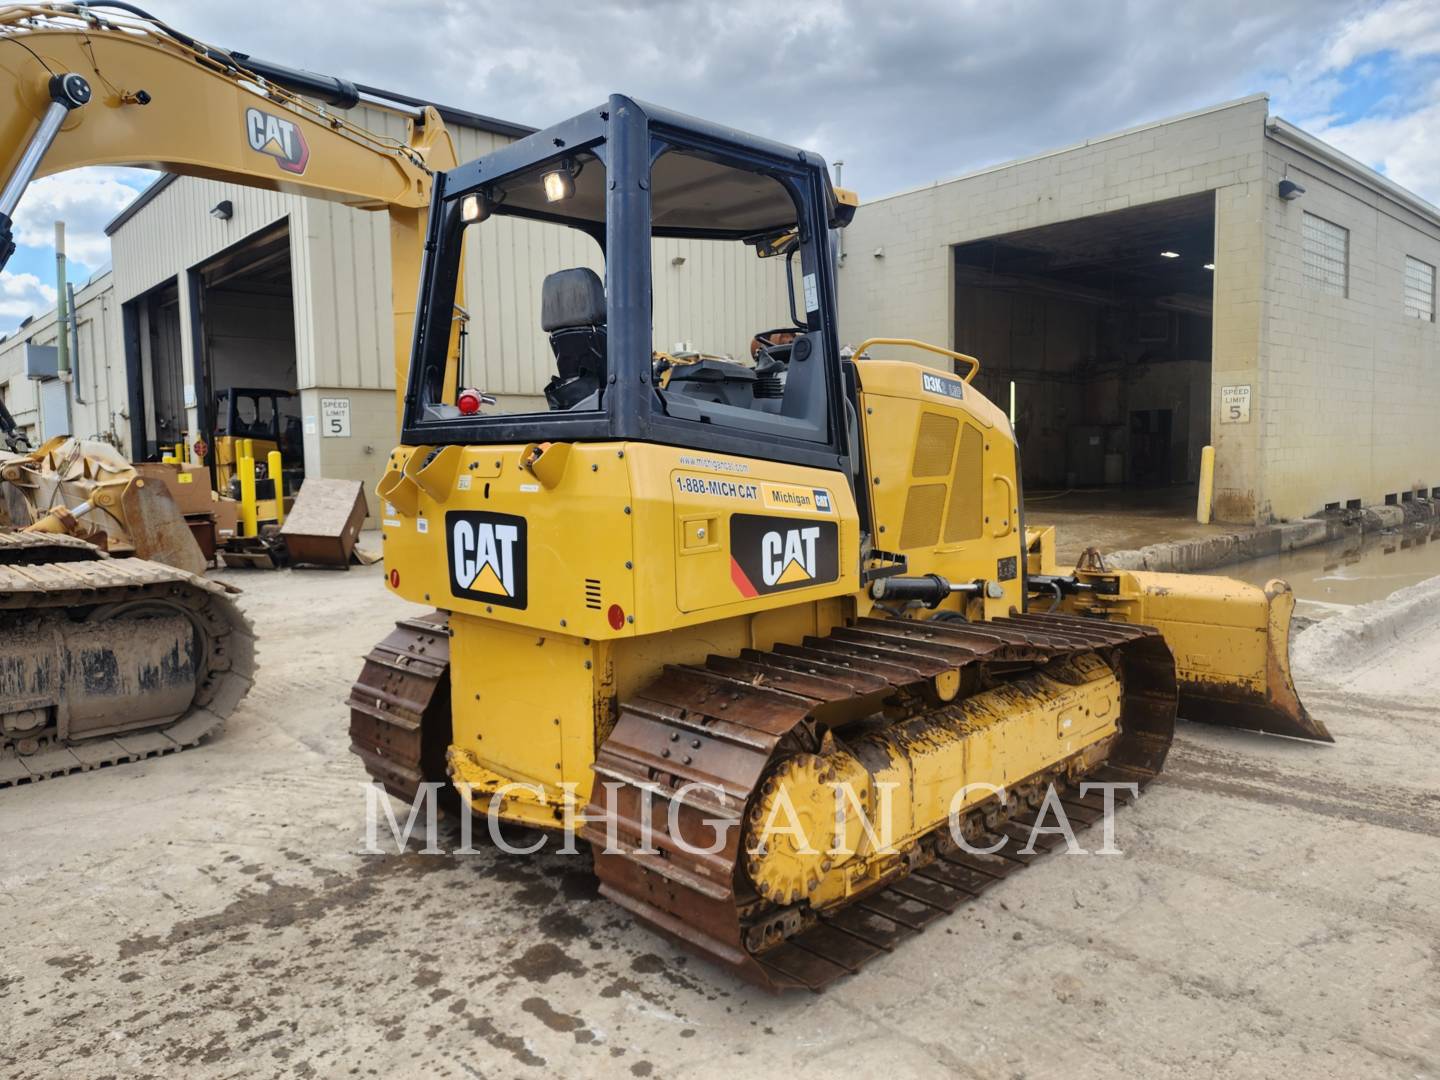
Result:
{"points": [[277, 482], [247, 448], [249, 520], [1207, 485]]}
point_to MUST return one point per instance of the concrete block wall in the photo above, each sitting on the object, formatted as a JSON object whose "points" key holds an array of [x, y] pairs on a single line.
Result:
{"points": [[1352, 384], [909, 290], [363, 453], [1237, 299]]}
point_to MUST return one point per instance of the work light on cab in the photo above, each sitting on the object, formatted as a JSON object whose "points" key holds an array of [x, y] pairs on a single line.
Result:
{"points": [[559, 185]]}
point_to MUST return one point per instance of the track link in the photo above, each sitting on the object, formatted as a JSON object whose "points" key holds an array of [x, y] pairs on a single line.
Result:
{"points": [[400, 706], [76, 582], [728, 722]]}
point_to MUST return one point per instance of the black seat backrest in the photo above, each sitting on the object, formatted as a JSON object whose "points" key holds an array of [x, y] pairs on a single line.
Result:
{"points": [[572, 312]]}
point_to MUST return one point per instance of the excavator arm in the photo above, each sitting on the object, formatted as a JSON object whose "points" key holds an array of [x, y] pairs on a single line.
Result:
{"points": [[107, 84]]}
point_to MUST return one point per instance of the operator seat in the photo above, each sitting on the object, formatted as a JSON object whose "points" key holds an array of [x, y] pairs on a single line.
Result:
{"points": [[572, 312]]}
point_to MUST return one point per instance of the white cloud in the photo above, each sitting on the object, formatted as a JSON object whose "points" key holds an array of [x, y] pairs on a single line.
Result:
{"points": [[22, 295], [1410, 28], [904, 93], [86, 200], [1393, 41], [1403, 147]]}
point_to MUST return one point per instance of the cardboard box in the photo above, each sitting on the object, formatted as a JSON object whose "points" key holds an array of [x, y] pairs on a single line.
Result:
{"points": [[189, 485], [227, 517]]}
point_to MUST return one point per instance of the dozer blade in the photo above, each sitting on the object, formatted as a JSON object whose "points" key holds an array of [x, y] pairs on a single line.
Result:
{"points": [[1231, 642]]}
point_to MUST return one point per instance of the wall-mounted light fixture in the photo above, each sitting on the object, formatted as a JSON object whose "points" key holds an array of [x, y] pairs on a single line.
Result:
{"points": [[678, 260], [223, 210], [1290, 190]]}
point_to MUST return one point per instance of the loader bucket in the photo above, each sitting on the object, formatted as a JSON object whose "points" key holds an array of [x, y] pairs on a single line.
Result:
{"points": [[1231, 642], [156, 527]]}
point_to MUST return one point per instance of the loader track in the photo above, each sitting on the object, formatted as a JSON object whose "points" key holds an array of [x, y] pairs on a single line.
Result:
{"points": [[50, 583], [727, 724]]}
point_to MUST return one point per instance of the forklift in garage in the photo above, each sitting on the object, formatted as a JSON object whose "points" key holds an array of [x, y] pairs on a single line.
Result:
{"points": [[261, 421]]}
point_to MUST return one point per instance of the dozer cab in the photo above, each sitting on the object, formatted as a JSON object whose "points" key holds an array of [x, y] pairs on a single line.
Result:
{"points": [[688, 592]]}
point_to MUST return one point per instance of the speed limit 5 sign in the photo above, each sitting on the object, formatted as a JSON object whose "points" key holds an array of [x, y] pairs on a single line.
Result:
{"points": [[335, 417]]}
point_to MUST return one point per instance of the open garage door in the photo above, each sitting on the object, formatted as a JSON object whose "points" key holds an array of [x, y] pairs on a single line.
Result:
{"points": [[246, 341], [1099, 332]]}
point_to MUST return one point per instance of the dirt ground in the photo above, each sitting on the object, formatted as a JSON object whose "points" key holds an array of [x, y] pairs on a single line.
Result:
{"points": [[1276, 912]]}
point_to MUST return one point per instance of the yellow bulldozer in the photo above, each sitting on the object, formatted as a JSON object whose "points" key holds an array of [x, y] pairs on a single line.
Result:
{"points": [[687, 601], [682, 598]]}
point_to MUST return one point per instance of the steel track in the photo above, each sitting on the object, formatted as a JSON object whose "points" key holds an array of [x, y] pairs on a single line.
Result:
{"points": [[88, 582]]}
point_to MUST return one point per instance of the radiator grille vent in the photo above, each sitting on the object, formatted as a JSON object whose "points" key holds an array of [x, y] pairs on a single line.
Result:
{"points": [[934, 445], [964, 520], [592, 593], [923, 508]]}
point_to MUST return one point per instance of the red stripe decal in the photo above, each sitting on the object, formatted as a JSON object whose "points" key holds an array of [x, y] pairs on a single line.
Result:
{"points": [[741, 581]]}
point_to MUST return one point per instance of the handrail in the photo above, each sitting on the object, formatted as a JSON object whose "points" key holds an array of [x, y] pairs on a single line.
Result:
{"points": [[912, 343]]}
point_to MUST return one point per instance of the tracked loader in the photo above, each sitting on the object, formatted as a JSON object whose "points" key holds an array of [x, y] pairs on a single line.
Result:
{"points": [[105, 660], [694, 595]]}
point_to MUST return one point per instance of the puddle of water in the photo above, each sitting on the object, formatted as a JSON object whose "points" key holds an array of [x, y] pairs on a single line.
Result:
{"points": [[1331, 577]]}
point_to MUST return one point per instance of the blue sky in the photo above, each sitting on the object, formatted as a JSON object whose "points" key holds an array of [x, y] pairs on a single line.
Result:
{"points": [[905, 93]]}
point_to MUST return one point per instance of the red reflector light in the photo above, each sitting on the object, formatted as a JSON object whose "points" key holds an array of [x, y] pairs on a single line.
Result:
{"points": [[469, 402], [394, 579], [617, 616]]}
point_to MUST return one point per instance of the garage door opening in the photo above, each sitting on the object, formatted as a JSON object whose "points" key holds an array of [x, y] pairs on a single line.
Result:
{"points": [[245, 341], [1095, 334]]}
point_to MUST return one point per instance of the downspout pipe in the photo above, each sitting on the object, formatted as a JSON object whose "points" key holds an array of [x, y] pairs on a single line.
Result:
{"points": [[62, 324], [74, 340]]}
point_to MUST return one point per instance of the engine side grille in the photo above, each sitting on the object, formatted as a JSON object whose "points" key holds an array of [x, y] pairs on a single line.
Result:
{"points": [[964, 519], [934, 445], [923, 508]]}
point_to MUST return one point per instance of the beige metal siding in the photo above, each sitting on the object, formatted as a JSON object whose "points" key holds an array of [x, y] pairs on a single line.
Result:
{"points": [[100, 369], [347, 322], [718, 298]]}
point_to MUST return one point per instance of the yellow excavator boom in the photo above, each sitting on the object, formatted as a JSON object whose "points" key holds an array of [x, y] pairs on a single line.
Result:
{"points": [[101, 84]]}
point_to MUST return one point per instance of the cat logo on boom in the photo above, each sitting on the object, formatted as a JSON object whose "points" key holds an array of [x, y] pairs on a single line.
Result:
{"points": [[280, 138], [487, 557], [771, 554]]}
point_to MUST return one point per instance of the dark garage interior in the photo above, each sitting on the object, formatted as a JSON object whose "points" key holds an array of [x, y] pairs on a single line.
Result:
{"points": [[1101, 328]]}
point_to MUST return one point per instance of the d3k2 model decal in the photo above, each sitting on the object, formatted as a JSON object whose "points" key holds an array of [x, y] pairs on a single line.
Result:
{"points": [[487, 557], [771, 554]]}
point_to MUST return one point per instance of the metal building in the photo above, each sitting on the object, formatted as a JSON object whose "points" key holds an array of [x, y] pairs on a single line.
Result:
{"points": [[99, 407], [1217, 278]]}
